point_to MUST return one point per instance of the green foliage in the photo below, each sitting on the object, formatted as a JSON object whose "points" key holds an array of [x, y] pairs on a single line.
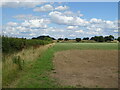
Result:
{"points": [[109, 38], [78, 39], [10, 44], [86, 38], [48, 39], [103, 39], [66, 39], [60, 39], [18, 61], [118, 39]]}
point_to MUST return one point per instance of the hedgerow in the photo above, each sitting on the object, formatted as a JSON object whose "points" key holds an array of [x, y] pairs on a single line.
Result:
{"points": [[11, 44]]}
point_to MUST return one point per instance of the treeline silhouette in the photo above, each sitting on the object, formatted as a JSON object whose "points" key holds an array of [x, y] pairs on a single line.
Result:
{"points": [[95, 38]]}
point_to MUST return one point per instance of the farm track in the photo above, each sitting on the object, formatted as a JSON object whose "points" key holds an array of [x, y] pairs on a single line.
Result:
{"points": [[87, 68]]}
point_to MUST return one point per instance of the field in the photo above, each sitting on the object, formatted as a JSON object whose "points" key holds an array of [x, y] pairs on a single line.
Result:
{"points": [[67, 65]]}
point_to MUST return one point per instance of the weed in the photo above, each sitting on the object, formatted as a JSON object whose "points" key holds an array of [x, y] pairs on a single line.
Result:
{"points": [[17, 60]]}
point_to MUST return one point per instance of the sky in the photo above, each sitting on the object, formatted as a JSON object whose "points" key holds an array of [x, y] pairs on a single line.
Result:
{"points": [[59, 19]]}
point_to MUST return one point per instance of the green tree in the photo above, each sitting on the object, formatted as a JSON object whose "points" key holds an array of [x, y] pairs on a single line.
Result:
{"points": [[66, 39], [86, 38], [78, 39], [60, 38], [118, 39]]}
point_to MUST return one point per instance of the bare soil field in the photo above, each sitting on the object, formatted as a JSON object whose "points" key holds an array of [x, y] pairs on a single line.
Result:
{"points": [[87, 68]]}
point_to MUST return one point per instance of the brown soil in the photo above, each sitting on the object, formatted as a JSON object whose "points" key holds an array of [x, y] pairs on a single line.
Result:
{"points": [[87, 68]]}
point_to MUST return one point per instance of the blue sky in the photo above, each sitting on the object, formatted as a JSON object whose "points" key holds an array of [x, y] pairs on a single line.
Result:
{"points": [[66, 19]]}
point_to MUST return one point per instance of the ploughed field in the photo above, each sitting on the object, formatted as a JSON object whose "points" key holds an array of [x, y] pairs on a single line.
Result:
{"points": [[87, 68], [87, 65]]}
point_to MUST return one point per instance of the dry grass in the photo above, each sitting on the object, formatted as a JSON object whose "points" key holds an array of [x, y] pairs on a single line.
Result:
{"points": [[29, 55]]}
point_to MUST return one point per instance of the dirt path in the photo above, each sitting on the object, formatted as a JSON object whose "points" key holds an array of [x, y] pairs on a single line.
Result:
{"points": [[87, 68]]}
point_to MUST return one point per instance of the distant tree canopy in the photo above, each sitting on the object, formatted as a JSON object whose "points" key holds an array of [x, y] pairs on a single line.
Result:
{"points": [[102, 39], [109, 38], [86, 38], [66, 39], [78, 39], [48, 38], [118, 39], [60, 38]]}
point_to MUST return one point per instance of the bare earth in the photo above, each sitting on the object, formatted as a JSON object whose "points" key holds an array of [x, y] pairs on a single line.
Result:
{"points": [[87, 68]]}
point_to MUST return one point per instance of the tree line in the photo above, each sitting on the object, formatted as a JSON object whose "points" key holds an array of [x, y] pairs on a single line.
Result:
{"points": [[95, 38]]}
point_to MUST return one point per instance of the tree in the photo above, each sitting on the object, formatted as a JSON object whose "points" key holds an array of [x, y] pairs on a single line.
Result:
{"points": [[106, 38], [78, 39], [109, 38], [66, 39], [98, 38], [87, 38], [118, 39], [92, 38], [60, 39], [43, 38], [48, 39]]}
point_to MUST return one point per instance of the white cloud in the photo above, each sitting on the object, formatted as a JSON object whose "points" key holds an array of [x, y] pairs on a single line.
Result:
{"points": [[74, 14], [72, 35], [105, 24], [72, 27], [59, 18], [12, 24], [79, 31], [98, 29], [62, 8], [25, 17], [115, 31], [68, 13], [94, 20], [72, 21], [44, 8], [36, 23], [20, 3]]}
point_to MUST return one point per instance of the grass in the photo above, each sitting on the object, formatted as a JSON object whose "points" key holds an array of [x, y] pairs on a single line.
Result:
{"points": [[86, 46], [37, 75], [11, 70]]}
